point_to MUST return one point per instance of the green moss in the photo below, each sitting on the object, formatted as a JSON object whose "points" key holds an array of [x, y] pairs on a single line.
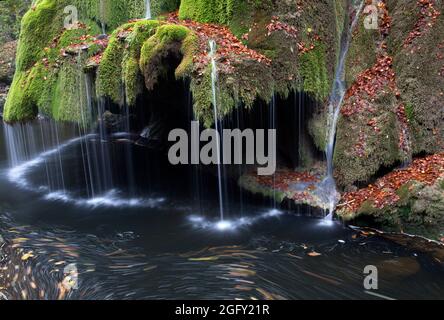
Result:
{"points": [[313, 66], [189, 49], [112, 13], [166, 37], [362, 52], [217, 11], [18, 105], [418, 211], [39, 26], [118, 68], [410, 112], [252, 186], [159, 7], [45, 80], [69, 99], [318, 130]]}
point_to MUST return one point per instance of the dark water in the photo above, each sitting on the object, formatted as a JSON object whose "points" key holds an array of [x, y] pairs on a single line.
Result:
{"points": [[150, 231]]}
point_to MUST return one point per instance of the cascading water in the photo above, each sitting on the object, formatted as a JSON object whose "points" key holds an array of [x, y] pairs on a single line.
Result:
{"points": [[212, 55], [148, 9], [102, 16], [335, 103], [67, 162]]}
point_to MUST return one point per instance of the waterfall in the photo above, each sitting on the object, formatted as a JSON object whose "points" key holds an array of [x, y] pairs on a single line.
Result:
{"points": [[148, 9], [212, 55], [102, 16], [334, 108]]}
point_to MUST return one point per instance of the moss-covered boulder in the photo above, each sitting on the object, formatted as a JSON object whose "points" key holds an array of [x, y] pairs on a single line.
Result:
{"points": [[47, 78], [393, 108], [408, 200], [119, 66], [416, 43]]}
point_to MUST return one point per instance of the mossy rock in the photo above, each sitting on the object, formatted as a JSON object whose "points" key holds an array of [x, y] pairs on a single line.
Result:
{"points": [[44, 80], [360, 149], [418, 74], [118, 72], [420, 210], [216, 11]]}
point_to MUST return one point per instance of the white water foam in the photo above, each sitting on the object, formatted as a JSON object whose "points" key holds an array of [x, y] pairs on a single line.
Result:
{"points": [[18, 175], [200, 222]]}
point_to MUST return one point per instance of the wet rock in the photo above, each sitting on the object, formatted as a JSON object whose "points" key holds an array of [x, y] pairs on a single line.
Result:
{"points": [[398, 268], [112, 122], [153, 135]]}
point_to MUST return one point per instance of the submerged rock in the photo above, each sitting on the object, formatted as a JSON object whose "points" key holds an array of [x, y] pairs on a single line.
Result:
{"points": [[299, 188], [112, 122]]}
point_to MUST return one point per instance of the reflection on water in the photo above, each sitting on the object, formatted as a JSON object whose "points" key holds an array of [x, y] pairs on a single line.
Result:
{"points": [[60, 241]]}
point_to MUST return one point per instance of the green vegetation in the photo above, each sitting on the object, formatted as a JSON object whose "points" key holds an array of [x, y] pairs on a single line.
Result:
{"points": [[119, 65], [362, 52], [159, 7], [11, 12], [314, 72], [112, 13], [217, 11], [168, 38], [132, 55], [45, 80]]}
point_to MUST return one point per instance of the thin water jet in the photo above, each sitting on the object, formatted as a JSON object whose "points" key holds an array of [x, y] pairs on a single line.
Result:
{"points": [[148, 10], [212, 55], [336, 99]]}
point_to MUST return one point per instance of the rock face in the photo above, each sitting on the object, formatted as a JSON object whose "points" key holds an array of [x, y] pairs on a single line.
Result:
{"points": [[394, 106], [408, 200]]}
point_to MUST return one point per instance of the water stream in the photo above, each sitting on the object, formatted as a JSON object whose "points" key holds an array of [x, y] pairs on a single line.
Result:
{"points": [[212, 55], [102, 9], [148, 10], [334, 108]]}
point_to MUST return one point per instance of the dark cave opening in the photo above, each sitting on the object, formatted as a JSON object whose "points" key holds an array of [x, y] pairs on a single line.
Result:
{"points": [[290, 117]]}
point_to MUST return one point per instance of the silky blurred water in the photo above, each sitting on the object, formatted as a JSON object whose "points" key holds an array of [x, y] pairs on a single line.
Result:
{"points": [[160, 240]]}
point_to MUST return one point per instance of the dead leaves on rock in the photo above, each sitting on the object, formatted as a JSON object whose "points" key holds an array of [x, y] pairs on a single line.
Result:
{"points": [[427, 18], [284, 178], [229, 47], [383, 193]]}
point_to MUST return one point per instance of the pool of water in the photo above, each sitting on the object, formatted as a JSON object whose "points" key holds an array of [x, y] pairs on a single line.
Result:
{"points": [[151, 231]]}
